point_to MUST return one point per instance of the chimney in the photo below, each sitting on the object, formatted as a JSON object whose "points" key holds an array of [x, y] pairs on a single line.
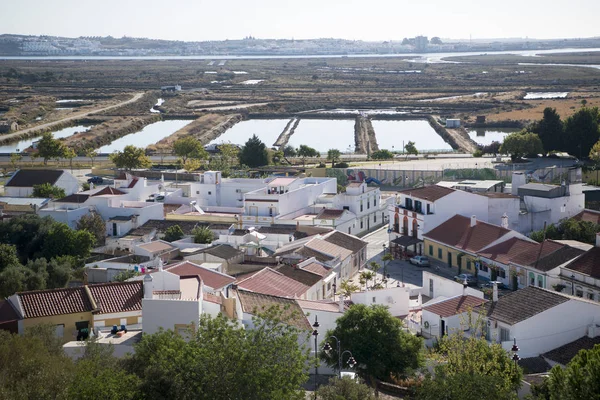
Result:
{"points": [[473, 221], [518, 180], [148, 287], [598, 239], [504, 222], [495, 292], [465, 285], [341, 304]]}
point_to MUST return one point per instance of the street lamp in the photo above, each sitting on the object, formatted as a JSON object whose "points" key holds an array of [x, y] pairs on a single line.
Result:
{"points": [[515, 358], [316, 335], [351, 361], [383, 259]]}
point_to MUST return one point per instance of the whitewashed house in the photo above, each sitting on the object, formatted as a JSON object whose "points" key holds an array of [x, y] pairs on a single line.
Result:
{"points": [[22, 182]]}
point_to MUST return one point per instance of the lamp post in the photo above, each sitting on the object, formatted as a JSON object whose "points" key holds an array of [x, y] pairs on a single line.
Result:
{"points": [[383, 259], [515, 358], [316, 335], [351, 360]]}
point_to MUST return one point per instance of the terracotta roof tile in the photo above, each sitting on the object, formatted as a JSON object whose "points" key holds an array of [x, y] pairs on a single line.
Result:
{"points": [[457, 232], [74, 198], [564, 354], [307, 277], [519, 251], [212, 279], [329, 213], [157, 246], [317, 268], [223, 251], [256, 302], [329, 248], [588, 263], [45, 303], [455, 305], [118, 297], [431, 193], [108, 190], [270, 282], [588, 215], [522, 304], [346, 241], [211, 298]]}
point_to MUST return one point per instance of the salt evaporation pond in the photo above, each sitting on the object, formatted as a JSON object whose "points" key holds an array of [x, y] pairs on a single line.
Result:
{"points": [[324, 134], [25, 143], [545, 95], [267, 130], [392, 134], [487, 136], [150, 134]]}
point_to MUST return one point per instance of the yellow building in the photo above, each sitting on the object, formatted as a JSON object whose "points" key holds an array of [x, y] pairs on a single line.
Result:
{"points": [[457, 241], [73, 310]]}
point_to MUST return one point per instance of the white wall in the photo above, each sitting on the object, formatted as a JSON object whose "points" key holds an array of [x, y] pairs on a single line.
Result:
{"points": [[166, 314], [397, 299], [443, 287], [552, 328], [69, 217]]}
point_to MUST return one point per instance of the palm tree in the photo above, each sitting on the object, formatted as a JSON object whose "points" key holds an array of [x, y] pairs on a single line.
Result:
{"points": [[375, 267], [367, 276], [347, 288]]}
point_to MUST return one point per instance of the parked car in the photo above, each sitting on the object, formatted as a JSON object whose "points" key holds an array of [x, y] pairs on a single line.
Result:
{"points": [[490, 285], [471, 279], [95, 180], [421, 261]]}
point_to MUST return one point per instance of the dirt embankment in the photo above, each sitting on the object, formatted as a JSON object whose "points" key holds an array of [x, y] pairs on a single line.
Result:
{"points": [[365, 140], [205, 129], [288, 131], [108, 132], [457, 138]]}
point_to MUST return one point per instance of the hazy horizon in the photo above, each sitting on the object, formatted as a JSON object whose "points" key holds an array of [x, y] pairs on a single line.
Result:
{"points": [[189, 20]]}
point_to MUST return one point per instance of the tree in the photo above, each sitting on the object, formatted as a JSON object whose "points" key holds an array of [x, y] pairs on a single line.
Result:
{"points": [[594, 154], [366, 276], [8, 256], [580, 380], [254, 153], [582, 131], [125, 275], [387, 257], [192, 165], [94, 224], [63, 241], [382, 155], [277, 157], [347, 288], [69, 154], [550, 129], [469, 366], [189, 147], [436, 40], [49, 148], [289, 151], [345, 389], [203, 235], [520, 144], [15, 158], [91, 154], [34, 155], [377, 341], [410, 148], [173, 233], [131, 157], [99, 375], [305, 152], [46, 190], [492, 148], [223, 360], [333, 155], [375, 267]]}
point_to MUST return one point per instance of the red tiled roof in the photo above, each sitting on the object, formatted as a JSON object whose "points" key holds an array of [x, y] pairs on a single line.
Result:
{"points": [[328, 248], [45, 303], [210, 278], [519, 251], [322, 305], [132, 183], [108, 190], [588, 215], [431, 193], [211, 298], [457, 232], [317, 268], [116, 297], [588, 263], [455, 305], [329, 213], [270, 282]]}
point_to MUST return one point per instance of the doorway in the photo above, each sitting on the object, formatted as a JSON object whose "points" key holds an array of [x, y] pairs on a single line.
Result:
{"points": [[114, 229], [450, 259], [443, 327]]}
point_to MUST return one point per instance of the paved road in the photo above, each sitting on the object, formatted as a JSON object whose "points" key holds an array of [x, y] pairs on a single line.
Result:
{"points": [[135, 98]]}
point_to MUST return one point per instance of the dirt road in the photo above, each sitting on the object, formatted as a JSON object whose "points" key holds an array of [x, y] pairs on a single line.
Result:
{"points": [[18, 134]]}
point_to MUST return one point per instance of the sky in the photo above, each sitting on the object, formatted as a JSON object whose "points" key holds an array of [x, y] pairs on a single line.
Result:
{"points": [[372, 20]]}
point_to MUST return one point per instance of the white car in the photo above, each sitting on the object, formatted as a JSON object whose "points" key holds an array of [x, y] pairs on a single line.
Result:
{"points": [[421, 261]]}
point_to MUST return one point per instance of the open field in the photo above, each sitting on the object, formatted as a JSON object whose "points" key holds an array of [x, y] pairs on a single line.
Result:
{"points": [[493, 86]]}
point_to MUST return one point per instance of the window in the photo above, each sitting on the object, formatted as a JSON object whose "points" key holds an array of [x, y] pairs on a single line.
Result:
{"points": [[578, 292], [428, 208], [418, 206], [374, 301], [430, 250], [440, 254], [361, 224], [501, 273], [209, 192], [408, 203], [531, 280], [431, 287], [483, 267], [349, 231], [504, 335], [488, 332], [346, 208], [374, 201], [197, 192], [361, 206], [590, 296], [374, 217], [468, 265], [368, 204], [540, 281]]}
